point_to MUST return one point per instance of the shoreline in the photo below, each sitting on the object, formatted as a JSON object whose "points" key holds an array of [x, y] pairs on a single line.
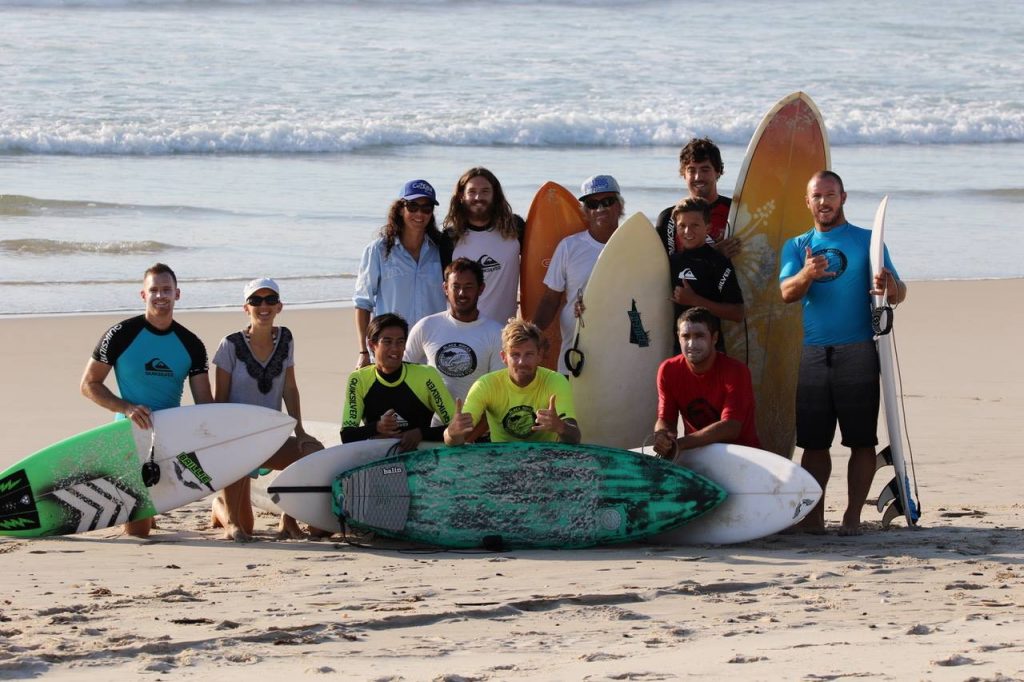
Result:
{"points": [[333, 304]]}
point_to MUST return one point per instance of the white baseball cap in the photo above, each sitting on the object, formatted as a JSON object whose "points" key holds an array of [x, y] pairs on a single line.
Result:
{"points": [[260, 283]]}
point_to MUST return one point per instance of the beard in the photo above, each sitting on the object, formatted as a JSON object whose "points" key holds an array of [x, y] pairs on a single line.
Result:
{"points": [[835, 218], [479, 211]]}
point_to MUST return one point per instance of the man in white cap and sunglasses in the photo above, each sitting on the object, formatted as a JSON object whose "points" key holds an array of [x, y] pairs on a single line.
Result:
{"points": [[576, 255]]}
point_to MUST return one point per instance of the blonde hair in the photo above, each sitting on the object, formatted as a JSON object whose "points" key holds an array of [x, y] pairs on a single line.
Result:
{"points": [[519, 331]]}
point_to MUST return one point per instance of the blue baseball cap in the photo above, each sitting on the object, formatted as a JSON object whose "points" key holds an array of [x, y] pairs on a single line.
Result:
{"points": [[417, 189], [596, 184]]}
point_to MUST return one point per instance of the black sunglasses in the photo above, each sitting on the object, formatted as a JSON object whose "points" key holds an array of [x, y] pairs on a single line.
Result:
{"points": [[594, 204], [414, 207], [269, 299]]}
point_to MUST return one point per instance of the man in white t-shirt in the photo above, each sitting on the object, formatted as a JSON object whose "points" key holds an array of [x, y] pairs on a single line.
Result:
{"points": [[462, 343], [575, 257], [484, 229]]}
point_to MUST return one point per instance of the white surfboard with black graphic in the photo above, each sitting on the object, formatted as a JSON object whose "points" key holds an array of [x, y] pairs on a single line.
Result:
{"points": [[624, 334], [118, 472]]}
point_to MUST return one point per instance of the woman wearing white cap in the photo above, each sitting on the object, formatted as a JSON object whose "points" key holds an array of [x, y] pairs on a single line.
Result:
{"points": [[401, 271], [256, 366]]}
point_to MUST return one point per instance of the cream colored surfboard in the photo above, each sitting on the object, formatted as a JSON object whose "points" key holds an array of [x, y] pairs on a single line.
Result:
{"points": [[625, 334], [768, 207]]}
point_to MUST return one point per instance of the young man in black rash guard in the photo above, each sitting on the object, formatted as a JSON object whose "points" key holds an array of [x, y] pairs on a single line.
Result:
{"points": [[701, 167], [392, 398]]}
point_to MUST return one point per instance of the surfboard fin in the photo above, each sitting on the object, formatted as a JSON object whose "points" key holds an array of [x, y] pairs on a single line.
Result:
{"points": [[895, 510], [889, 493], [883, 458]]}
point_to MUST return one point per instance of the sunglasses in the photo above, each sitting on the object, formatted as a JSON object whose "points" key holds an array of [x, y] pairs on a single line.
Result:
{"points": [[413, 207], [269, 299], [594, 204]]}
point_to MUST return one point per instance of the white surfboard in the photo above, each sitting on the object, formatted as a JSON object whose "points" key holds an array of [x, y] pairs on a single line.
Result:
{"points": [[327, 433], [767, 494], [202, 448], [899, 496], [303, 490], [625, 333]]}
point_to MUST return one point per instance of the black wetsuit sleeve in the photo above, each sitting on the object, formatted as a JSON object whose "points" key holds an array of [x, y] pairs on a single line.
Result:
{"points": [[435, 433], [114, 342], [351, 434], [196, 350], [731, 291]]}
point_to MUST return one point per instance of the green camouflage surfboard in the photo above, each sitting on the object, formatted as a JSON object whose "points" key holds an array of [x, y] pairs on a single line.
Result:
{"points": [[521, 495]]}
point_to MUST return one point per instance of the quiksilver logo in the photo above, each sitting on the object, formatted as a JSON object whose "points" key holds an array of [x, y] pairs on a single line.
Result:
{"points": [[105, 343], [157, 367], [725, 277], [488, 263]]}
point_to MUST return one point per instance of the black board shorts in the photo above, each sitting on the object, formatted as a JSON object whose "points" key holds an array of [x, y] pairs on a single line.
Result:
{"points": [[837, 384]]}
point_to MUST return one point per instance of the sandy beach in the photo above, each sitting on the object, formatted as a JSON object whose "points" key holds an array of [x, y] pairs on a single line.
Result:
{"points": [[942, 602]]}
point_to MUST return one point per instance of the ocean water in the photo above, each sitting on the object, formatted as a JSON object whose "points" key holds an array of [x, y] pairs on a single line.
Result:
{"points": [[245, 138]]}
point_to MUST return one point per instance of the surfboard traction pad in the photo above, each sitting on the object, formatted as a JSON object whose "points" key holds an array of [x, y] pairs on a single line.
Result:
{"points": [[521, 495], [85, 482]]}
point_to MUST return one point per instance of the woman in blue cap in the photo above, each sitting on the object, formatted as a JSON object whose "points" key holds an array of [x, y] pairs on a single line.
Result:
{"points": [[256, 366], [401, 271]]}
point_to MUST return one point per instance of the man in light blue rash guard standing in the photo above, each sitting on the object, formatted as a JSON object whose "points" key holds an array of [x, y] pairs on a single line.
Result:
{"points": [[152, 356], [828, 270]]}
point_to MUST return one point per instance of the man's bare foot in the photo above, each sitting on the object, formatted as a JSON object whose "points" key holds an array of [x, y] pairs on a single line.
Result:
{"points": [[851, 525], [288, 529]]}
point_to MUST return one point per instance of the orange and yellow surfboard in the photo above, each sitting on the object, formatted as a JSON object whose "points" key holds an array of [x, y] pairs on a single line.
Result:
{"points": [[768, 207]]}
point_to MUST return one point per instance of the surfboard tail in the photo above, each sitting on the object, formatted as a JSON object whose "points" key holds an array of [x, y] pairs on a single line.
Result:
{"points": [[18, 510], [891, 501]]}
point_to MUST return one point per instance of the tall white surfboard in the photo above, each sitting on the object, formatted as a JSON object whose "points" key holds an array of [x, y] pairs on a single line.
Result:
{"points": [[767, 493], [625, 333], [899, 496]]}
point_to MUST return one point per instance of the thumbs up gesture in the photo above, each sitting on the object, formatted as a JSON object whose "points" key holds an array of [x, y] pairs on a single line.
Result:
{"points": [[459, 427], [684, 295], [548, 418]]}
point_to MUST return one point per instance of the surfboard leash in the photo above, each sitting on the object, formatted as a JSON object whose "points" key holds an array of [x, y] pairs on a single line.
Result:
{"points": [[150, 469], [574, 357], [903, 417]]}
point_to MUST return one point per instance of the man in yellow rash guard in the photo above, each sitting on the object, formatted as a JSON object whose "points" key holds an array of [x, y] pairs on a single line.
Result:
{"points": [[392, 398], [524, 402]]}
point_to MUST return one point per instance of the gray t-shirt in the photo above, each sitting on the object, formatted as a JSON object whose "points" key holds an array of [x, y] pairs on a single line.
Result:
{"points": [[253, 382]]}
